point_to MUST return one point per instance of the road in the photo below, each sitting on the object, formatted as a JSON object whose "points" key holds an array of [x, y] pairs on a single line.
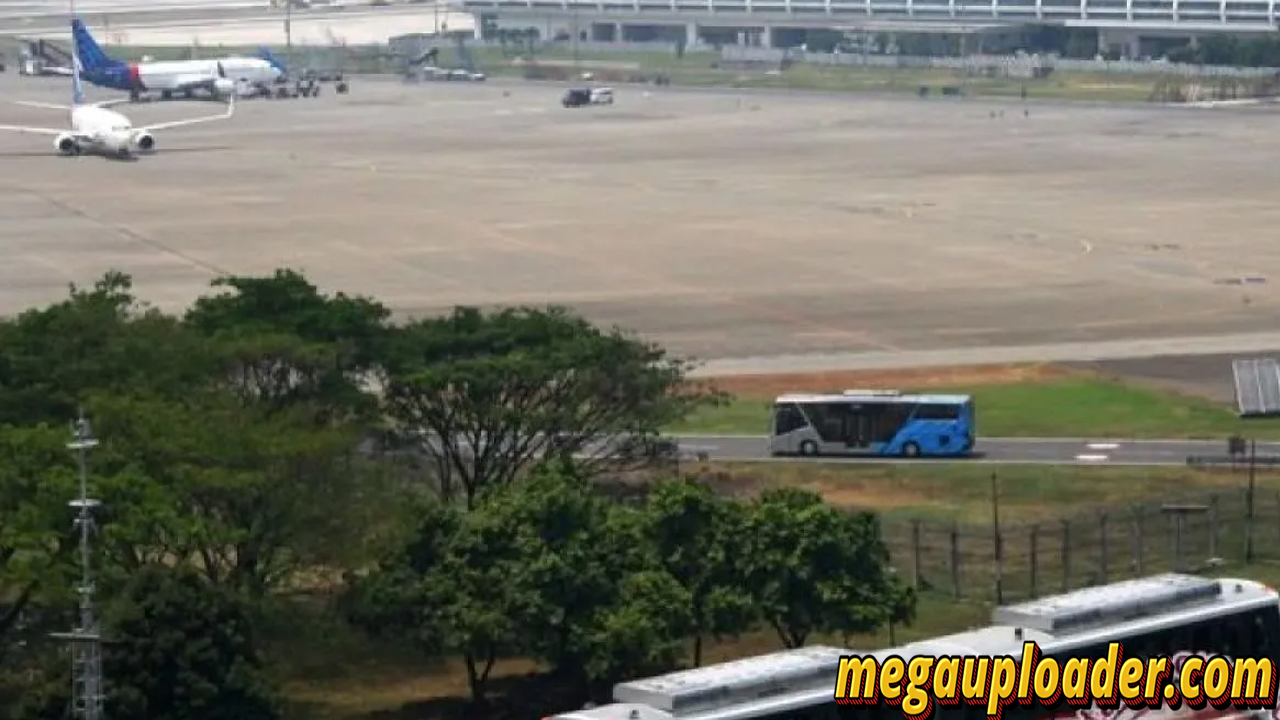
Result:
{"points": [[1047, 451]]}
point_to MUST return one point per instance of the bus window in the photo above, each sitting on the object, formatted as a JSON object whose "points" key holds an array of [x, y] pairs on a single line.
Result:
{"points": [[891, 420], [787, 418], [938, 412], [828, 420]]}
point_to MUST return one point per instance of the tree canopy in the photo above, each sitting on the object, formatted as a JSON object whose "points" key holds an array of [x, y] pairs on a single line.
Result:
{"points": [[433, 484]]}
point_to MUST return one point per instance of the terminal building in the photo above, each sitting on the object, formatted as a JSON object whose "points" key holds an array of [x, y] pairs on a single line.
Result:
{"points": [[1122, 24]]}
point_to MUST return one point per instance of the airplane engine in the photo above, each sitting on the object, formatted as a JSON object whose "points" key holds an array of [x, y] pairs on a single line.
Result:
{"points": [[144, 141], [222, 87], [66, 144]]}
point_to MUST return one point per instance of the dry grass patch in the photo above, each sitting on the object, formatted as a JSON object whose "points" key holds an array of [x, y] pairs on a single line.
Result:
{"points": [[770, 386]]}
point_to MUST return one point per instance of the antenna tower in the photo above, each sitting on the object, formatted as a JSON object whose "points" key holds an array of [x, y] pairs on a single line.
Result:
{"points": [[86, 643]]}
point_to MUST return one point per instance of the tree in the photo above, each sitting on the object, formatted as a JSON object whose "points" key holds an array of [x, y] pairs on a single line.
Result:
{"points": [[407, 596], [53, 358], [36, 482], [585, 590], [282, 343], [184, 650], [543, 569], [696, 534], [248, 495], [486, 395], [815, 568]]}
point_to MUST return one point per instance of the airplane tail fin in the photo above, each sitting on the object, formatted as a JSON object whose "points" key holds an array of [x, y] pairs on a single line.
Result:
{"points": [[275, 62], [91, 56], [77, 89]]}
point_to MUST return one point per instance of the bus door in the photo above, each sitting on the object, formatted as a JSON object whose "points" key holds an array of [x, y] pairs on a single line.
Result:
{"points": [[859, 425]]}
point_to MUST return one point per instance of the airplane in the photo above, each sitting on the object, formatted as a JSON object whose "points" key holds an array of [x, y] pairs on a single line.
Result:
{"points": [[219, 78], [96, 129]]}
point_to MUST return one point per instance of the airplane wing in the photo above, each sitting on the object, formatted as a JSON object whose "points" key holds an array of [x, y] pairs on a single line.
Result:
{"points": [[55, 106], [46, 106], [39, 131], [231, 109]]}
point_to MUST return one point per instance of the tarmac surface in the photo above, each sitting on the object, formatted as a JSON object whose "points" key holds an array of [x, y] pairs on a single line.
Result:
{"points": [[1009, 451], [725, 225]]}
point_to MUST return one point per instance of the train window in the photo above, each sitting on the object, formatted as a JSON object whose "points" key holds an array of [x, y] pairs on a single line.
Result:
{"points": [[1266, 632]]}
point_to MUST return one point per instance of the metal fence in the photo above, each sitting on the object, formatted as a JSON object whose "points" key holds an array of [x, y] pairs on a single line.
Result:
{"points": [[1025, 560]]}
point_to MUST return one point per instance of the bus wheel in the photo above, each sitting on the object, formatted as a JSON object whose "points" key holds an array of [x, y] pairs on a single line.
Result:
{"points": [[809, 447], [911, 450]]}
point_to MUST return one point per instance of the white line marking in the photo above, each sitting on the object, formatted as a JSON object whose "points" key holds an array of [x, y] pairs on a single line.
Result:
{"points": [[1091, 458], [1103, 446]]}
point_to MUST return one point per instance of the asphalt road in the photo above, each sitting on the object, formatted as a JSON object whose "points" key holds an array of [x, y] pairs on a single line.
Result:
{"points": [[1048, 451]]}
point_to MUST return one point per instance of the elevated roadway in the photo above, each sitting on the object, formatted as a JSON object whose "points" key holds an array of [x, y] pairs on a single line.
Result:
{"points": [[1177, 17], [1009, 451]]}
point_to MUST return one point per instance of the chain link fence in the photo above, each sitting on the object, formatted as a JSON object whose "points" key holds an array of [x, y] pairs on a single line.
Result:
{"points": [[1021, 560]]}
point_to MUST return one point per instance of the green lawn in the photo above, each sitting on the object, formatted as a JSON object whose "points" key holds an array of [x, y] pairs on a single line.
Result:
{"points": [[1072, 407], [961, 492], [705, 69]]}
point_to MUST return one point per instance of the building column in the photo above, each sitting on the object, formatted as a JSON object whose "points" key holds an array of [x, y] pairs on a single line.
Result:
{"points": [[766, 36], [691, 38], [1129, 43]]}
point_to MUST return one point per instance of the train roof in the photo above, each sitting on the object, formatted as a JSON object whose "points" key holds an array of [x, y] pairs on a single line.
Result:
{"points": [[766, 685]]}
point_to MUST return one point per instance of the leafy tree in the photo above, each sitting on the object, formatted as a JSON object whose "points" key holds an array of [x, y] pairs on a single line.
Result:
{"points": [[696, 534], [815, 568], [184, 650], [544, 569], [35, 538], [251, 497], [489, 394], [585, 590], [406, 597], [284, 343], [101, 338]]}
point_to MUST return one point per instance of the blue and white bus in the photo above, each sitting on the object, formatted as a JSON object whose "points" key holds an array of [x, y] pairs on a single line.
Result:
{"points": [[873, 422]]}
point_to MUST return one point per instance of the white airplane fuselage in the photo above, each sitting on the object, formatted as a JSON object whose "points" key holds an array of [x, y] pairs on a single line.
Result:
{"points": [[99, 130], [179, 75]]}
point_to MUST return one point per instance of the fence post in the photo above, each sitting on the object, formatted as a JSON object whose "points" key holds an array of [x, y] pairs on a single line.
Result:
{"points": [[1213, 527], [1248, 503], [916, 553], [1102, 559], [1137, 534], [1066, 555], [955, 559], [1035, 536], [997, 546]]}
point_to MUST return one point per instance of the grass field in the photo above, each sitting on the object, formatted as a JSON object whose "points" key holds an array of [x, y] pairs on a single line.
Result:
{"points": [[704, 69], [1037, 404], [961, 492]]}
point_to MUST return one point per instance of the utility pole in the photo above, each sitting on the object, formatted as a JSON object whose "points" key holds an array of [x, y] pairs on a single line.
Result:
{"points": [[288, 33], [86, 642], [576, 32]]}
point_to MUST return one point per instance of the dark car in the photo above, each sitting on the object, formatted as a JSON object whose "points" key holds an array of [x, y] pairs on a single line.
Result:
{"points": [[577, 97]]}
